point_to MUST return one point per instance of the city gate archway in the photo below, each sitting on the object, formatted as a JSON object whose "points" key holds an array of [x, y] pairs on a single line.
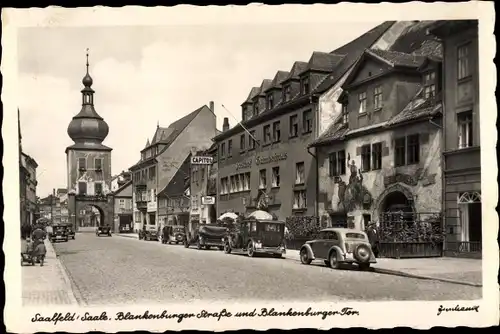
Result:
{"points": [[89, 212]]}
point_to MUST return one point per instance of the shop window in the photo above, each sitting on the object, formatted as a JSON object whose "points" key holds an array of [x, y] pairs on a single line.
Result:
{"points": [[365, 158], [294, 126], [276, 132], [465, 132], [377, 156], [224, 187], [232, 184], [299, 173], [262, 179], [276, 177], [299, 199], [246, 181]]}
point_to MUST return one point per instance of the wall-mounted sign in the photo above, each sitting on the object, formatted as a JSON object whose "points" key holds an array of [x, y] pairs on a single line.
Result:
{"points": [[403, 178], [208, 200], [199, 160], [244, 164], [272, 158]]}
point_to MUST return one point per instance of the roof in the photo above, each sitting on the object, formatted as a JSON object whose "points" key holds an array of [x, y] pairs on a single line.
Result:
{"points": [[444, 28], [397, 59], [266, 84], [125, 185], [412, 37], [253, 93], [323, 61], [167, 136], [336, 131], [297, 68], [278, 79], [179, 182], [352, 51], [417, 108]]}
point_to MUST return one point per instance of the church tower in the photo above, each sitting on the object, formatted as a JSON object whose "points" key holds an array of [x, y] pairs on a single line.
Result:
{"points": [[89, 163]]}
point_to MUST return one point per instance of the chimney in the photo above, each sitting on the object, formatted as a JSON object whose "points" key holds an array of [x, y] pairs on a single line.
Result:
{"points": [[225, 125], [211, 106]]}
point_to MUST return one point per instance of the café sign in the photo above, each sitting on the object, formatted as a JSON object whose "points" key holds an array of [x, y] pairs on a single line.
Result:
{"points": [[199, 160], [272, 158]]}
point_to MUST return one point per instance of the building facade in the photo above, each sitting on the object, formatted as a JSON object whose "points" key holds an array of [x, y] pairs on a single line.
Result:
{"points": [[161, 158], [264, 161], [123, 208], [383, 153], [461, 140], [88, 163]]}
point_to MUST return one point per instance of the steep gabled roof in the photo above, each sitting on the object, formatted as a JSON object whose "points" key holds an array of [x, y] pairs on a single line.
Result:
{"points": [[120, 189], [278, 79], [297, 68], [253, 93], [413, 37], [323, 61], [147, 144], [266, 83], [397, 59], [417, 108], [177, 184], [352, 51]]}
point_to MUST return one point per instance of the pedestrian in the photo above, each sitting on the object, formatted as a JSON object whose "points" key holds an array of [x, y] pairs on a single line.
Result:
{"points": [[373, 238]]}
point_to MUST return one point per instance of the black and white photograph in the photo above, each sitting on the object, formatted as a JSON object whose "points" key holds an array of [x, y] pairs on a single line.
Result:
{"points": [[250, 167]]}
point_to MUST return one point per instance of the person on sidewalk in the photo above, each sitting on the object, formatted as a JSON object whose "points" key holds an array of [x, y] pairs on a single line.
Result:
{"points": [[372, 233]]}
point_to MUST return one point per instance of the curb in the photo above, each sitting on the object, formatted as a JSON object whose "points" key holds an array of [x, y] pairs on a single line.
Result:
{"points": [[404, 274], [127, 236], [65, 276]]}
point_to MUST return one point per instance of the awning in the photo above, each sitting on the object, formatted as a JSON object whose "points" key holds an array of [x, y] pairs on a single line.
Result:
{"points": [[230, 215], [261, 215]]}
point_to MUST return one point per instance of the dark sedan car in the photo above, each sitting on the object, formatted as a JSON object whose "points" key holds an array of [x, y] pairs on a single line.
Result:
{"points": [[106, 230]]}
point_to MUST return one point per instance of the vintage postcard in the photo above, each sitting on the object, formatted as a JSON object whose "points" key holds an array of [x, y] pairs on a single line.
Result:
{"points": [[250, 167]]}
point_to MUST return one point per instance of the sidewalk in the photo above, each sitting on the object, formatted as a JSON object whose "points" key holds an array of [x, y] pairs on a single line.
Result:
{"points": [[445, 269], [47, 285]]}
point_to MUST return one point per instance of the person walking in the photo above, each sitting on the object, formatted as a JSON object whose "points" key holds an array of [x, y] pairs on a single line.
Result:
{"points": [[373, 238]]}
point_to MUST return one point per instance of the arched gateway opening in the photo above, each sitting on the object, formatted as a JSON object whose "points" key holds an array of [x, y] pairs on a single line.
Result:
{"points": [[396, 204], [86, 215], [91, 216]]}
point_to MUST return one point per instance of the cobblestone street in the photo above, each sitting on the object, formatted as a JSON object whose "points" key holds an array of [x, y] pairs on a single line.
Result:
{"points": [[117, 270]]}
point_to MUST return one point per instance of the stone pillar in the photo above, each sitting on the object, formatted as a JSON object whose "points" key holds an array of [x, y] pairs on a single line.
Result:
{"points": [[73, 215]]}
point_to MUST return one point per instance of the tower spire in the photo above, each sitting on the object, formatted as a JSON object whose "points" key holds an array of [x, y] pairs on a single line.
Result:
{"points": [[87, 61]]}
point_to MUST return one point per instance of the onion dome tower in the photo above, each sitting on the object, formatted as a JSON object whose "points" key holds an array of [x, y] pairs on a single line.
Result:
{"points": [[87, 129]]}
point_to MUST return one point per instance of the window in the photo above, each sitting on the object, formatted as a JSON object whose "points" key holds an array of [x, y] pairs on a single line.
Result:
{"points": [[82, 188], [98, 163], [224, 186], [305, 86], [276, 177], [152, 173], [222, 150], [251, 140], [98, 188], [270, 101], [299, 173], [154, 195], [242, 142], [262, 179], [299, 199], [362, 103], [267, 134], [377, 98], [345, 114], [287, 93], [82, 165], [294, 126], [377, 156], [230, 148], [400, 152], [430, 85], [272, 228], [463, 58], [365, 157], [276, 132], [232, 185], [413, 147], [144, 196], [255, 108], [238, 183], [122, 204], [246, 181], [337, 163], [465, 129], [307, 121]]}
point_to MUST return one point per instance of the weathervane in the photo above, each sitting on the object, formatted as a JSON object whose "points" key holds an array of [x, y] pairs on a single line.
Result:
{"points": [[87, 60]]}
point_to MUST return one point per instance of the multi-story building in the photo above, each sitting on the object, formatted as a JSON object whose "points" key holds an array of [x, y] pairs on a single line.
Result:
{"points": [[383, 153], [461, 140], [120, 180], [161, 158], [264, 161], [203, 206], [123, 220]]}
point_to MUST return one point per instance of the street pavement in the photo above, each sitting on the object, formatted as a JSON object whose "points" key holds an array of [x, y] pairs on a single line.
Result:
{"points": [[117, 270]]}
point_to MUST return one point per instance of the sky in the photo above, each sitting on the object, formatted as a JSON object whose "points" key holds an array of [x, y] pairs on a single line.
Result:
{"points": [[149, 75]]}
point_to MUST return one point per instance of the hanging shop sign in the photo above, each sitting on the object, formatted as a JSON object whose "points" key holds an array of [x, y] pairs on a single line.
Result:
{"points": [[208, 200], [200, 160]]}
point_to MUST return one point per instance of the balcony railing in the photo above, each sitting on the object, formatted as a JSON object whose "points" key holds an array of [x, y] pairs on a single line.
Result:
{"points": [[140, 184], [141, 204]]}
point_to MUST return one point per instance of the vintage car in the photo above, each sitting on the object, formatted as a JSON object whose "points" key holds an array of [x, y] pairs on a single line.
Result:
{"points": [[256, 236], [173, 234], [106, 230], [336, 246], [207, 236], [148, 235], [71, 232], [59, 233]]}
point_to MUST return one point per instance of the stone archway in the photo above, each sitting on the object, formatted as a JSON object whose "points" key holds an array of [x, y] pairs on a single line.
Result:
{"points": [[86, 212], [397, 197]]}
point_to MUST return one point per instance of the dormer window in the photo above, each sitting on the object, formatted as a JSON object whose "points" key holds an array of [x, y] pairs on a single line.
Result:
{"points": [[305, 87], [287, 93], [270, 101], [345, 114], [430, 85], [255, 108]]}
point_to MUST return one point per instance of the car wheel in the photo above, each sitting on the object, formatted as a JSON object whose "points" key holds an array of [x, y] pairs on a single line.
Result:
{"points": [[198, 245], [334, 263], [364, 266], [227, 248], [250, 250], [327, 263], [304, 258]]}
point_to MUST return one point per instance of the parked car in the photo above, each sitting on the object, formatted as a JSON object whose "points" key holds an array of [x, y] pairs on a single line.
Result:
{"points": [[256, 236], [207, 236], [71, 232], [173, 234], [106, 230], [339, 245], [148, 235], [59, 233]]}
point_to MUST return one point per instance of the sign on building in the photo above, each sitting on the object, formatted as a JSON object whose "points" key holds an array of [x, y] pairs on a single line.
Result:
{"points": [[199, 160], [208, 200]]}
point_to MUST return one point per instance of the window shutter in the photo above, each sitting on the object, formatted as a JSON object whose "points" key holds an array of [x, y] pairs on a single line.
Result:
{"points": [[358, 151], [385, 149], [424, 138]]}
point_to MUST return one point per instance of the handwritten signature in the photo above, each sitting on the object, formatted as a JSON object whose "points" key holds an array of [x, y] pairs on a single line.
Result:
{"points": [[458, 308]]}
